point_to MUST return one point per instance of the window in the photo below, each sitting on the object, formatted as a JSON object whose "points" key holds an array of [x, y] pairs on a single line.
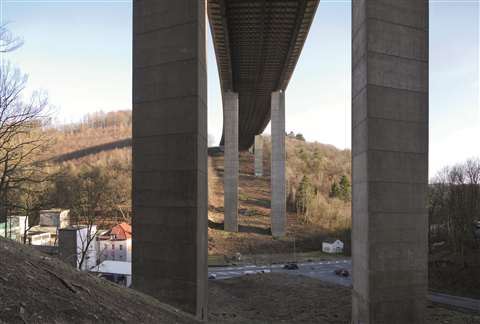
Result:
{"points": [[121, 247], [113, 246]]}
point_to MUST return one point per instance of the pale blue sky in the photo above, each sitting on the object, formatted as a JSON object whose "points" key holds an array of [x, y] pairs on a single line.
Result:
{"points": [[80, 52]]}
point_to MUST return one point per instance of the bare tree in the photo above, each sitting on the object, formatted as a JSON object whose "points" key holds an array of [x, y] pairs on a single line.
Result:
{"points": [[94, 194], [455, 206], [8, 42], [21, 122]]}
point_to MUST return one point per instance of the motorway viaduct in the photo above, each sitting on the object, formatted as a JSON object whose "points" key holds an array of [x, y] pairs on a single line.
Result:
{"points": [[257, 45]]}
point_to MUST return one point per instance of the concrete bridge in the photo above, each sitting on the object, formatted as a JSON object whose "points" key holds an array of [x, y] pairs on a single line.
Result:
{"points": [[257, 44]]}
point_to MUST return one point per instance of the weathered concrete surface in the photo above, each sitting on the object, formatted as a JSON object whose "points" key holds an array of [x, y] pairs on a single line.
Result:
{"points": [[390, 160], [230, 178], [258, 151], [67, 246], [278, 204], [169, 259]]}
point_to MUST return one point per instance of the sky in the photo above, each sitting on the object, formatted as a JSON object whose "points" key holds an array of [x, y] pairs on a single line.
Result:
{"points": [[79, 51]]}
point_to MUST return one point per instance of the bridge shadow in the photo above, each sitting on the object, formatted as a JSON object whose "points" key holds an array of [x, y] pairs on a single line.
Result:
{"points": [[257, 202], [254, 230], [255, 205], [241, 228], [124, 143]]}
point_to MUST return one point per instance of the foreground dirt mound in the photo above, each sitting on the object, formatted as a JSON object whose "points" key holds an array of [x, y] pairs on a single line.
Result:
{"points": [[35, 288], [281, 298]]}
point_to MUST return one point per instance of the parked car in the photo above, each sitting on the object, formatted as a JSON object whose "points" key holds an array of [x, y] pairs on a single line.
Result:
{"points": [[342, 272], [291, 266]]}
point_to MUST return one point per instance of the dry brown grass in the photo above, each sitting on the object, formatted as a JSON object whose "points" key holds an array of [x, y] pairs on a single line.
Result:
{"points": [[63, 142], [328, 217]]}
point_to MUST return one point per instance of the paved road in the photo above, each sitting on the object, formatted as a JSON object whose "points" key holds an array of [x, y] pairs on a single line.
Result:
{"points": [[324, 270], [467, 303]]}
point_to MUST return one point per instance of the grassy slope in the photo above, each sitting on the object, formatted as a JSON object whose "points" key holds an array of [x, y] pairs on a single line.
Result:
{"points": [[72, 140]]}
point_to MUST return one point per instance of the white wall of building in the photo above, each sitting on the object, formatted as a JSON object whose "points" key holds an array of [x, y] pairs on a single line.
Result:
{"points": [[115, 250], [39, 239], [335, 247], [90, 260]]}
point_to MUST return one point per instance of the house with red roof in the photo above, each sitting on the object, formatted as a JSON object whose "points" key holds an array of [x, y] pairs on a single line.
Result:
{"points": [[115, 244]]}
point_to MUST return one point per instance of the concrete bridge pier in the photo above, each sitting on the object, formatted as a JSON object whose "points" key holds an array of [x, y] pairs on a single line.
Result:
{"points": [[230, 177], [258, 151], [169, 257], [389, 160], [277, 174]]}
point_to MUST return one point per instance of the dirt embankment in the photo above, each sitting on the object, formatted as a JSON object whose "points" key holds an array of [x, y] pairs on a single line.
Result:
{"points": [[281, 298], [35, 288]]}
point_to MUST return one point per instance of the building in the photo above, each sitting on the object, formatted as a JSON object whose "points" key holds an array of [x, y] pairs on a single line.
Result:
{"points": [[14, 228], [116, 244], [37, 237], [76, 241], [332, 246], [50, 222], [119, 272], [59, 218]]}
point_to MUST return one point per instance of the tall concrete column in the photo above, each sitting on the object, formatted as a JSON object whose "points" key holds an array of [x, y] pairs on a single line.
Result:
{"points": [[258, 151], [230, 177], [277, 174], [390, 160], [169, 258]]}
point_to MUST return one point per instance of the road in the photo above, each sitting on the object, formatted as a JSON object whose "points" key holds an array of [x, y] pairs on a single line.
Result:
{"points": [[324, 270]]}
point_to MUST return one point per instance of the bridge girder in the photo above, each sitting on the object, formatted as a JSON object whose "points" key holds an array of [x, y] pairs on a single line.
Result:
{"points": [[257, 45]]}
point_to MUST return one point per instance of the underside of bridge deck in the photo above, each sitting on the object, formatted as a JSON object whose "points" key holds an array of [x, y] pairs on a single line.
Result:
{"points": [[257, 44]]}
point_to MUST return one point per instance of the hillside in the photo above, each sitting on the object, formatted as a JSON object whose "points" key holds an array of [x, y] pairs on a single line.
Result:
{"points": [[35, 288], [106, 145], [254, 235]]}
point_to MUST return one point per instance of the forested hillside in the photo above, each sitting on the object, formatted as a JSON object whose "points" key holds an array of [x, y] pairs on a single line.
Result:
{"points": [[89, 171]]}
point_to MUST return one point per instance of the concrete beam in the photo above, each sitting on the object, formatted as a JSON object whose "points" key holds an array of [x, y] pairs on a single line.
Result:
{"points": [[258, 151], [169, 260], [230, 177], [389, 160], [278, 202]]}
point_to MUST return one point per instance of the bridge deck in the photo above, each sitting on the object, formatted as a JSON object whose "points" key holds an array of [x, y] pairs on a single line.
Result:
{"points": [[257, 44]]}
